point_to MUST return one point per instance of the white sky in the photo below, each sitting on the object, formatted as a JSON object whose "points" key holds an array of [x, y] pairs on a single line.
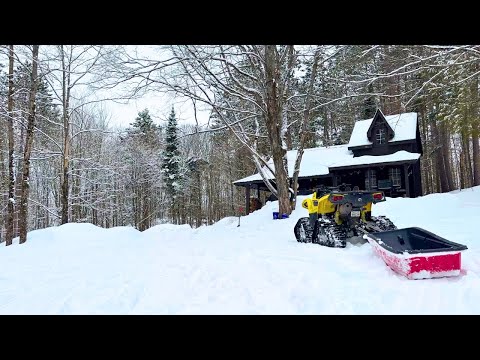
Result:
{"points": [[121, 114], [159, 107]]}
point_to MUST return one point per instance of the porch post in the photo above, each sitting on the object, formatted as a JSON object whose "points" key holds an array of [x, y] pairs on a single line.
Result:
{"points": [[414, 190], [258, 192], [247, 199], [407, 183], [418, 176]]}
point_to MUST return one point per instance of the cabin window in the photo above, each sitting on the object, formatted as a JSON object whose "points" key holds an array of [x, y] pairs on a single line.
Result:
{"points": [[395, 176], [370, 179], [338, 179], [380, 136]]}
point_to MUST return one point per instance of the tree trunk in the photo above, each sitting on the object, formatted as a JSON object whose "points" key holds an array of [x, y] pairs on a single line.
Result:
{"points": [[274, 124], [47, 213], [3, 179], [426, 148], [463, 174], [303, 128], [233, 203], [210, 196], [467, 163], [475, 133], [445, 143], [11, 146], [198, 215], [66, 136], [442, 183], [18, 180], [476, 158], [475, 128], [23, 220]]}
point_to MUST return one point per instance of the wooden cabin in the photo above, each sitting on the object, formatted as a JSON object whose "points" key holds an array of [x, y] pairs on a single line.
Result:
{"points": [[383, 154]]}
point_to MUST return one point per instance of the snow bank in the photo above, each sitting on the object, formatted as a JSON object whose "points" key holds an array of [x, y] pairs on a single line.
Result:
{"points": [[257, 268]]}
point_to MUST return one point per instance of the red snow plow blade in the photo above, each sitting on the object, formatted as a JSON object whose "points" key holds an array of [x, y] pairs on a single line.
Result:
{"points": [[417, 253]]}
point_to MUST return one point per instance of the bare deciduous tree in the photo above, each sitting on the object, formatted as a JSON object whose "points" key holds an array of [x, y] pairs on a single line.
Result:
{"points": [[23, 221], [11, 147]]}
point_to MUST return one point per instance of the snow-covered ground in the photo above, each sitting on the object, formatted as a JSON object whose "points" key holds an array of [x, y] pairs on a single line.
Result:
{"points": [[257, 268]]}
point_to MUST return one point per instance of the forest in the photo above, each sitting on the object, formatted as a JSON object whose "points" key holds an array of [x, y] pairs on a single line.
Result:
{"points": [[62, 160]]}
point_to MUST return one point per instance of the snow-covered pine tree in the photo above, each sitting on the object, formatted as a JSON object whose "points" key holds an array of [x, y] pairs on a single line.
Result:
{"points": [[171, 162]]}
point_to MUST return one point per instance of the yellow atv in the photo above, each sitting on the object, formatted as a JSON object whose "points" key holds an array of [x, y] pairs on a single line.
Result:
{"points": [[338, 216]]}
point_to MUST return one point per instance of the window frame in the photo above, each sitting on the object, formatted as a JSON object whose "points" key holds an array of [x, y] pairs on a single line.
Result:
{"points": [[381, 136], [370, 177], [395, 176]]}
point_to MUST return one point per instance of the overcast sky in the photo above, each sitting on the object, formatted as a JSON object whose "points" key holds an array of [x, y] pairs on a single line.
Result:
{"points": [[159, 107], [121, 115]]}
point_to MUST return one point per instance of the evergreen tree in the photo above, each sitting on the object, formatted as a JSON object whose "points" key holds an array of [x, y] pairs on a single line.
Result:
{"points": [[171, 158], [144, 127]]}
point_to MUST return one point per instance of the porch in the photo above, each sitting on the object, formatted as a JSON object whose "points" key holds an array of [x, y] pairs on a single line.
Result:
{"points": [[395, 180]]}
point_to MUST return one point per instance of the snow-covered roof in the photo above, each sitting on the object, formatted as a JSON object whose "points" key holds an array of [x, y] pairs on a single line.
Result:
{"points": [[399, 156], [404, 125], [318, 161]]}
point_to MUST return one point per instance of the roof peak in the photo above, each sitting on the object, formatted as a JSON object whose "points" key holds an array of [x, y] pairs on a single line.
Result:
{"points": [[378, 111], [379, 118]]}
